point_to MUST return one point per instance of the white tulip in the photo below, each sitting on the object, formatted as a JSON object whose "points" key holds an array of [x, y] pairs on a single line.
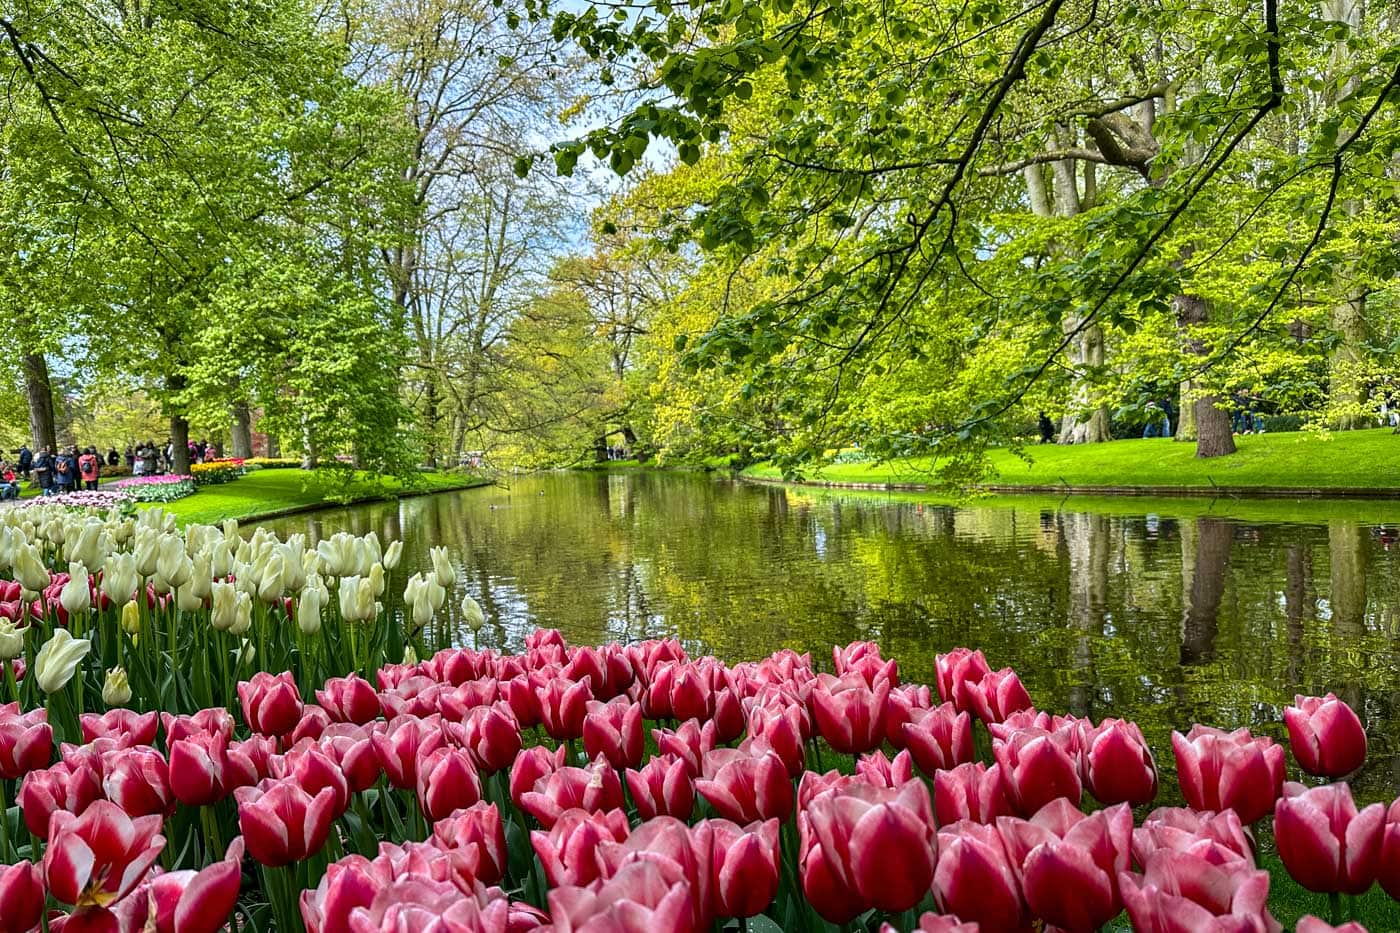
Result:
{"points": [[392, 554], [76, 597], [376, 579], [58, 659], [186, 600], [30, 571], [119, 577], [220, 560], [146, 551], [201, 575], [116, 690], [173, 565], [225, 606], [11, 639], [243, 615], [443, 570], [269, 576], [471, 612], [309, 611]]}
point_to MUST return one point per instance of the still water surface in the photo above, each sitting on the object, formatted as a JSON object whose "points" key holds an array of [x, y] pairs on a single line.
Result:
{"points": [[1167, 618]]}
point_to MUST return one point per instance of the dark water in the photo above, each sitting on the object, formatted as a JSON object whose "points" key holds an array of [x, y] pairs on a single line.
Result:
{"points": [[1165, 620]]}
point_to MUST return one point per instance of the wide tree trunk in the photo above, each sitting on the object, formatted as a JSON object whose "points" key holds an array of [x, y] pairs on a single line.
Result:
{"points": [[180, 445], [274, 449], [1186, 412], [38, 393], [1213, 435], [1087, 352], [242, 431]]}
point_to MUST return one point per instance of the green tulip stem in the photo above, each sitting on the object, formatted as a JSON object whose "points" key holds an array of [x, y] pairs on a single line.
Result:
{"points": [[11, 688], [214, 845], [5, 825], [1334, 901]]}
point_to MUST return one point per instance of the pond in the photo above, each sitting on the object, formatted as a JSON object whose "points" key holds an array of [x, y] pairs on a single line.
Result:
{"points": [[1167, 613]]}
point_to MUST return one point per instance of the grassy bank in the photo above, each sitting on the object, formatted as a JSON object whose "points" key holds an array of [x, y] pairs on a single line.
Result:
{"points": [[275, 492], [1344, 460]]}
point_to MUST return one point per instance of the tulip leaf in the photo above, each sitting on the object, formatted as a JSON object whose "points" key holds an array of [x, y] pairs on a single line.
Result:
{"points": [[763, 924]]}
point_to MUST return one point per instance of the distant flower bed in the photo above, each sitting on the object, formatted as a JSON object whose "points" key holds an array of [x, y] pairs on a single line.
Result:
{"points": [[211, 472], [82, 499], [271, 463], [165, 488]]}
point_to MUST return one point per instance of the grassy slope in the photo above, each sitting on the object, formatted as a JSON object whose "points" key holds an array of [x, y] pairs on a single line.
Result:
{"points": [[272, 491], [1369, 459]]}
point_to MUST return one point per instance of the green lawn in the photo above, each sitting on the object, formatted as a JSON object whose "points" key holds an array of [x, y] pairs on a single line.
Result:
{"points": [[272, 492], [1351, 459]]}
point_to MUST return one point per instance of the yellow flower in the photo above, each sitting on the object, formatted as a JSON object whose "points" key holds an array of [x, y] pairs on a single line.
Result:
{"points": [[116, 691]]}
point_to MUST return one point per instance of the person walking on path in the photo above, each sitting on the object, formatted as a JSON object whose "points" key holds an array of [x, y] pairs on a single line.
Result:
{"points": [[26, 460]]}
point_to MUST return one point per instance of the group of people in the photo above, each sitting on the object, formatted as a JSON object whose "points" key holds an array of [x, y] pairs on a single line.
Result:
{"points": [[149, 460], [54, 473]]}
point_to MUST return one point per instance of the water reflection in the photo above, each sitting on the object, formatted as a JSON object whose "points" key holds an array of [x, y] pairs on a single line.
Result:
{"points": [[1167, 618]]}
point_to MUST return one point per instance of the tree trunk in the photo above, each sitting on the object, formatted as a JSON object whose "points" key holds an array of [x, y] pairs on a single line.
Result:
{"points": [[274, 449], [1087, 352], [309, 457], [1347, 383], [180, 445], [430, 416], [1186, 413], [39, 393], [1212, 424], [1346, 584], [242, 431]]}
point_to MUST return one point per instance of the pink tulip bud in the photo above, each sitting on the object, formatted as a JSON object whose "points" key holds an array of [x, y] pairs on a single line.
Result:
{"points": [[281, 823], [349, 747], [745, 867], [641, 896], [863, 658], [595, 788], [1118, 765], [783, 731], [492, 735], [569, 850], [271, 703], [309, 767], [878, 771], [1326, 734], [21, 897], [936, 923], [1234, 770], [349, 699], [68, 786], [1069, 863], [447, 781], [614, 730], [215, 720], [1180, 891], [971, 792], [1036, 769], [856, 825], [689, 742], [1311, 924], [137, 779], [192, 901], [531, 766], [663, 787], [126, 726], [563, 706], [939, 739], [1326, 845], [401, 743], [996, 696], [849, 713], [955, 669], [1217, 837], [26, 741], [975, 879], [745, 788], [478, 832]]}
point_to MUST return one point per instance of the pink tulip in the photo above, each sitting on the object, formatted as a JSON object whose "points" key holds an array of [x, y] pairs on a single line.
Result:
{"points": [[780, 730], [1389, 867], [745, 866], [346, 885], [281, 823], [1311, 924], [137, 779], [271, 703], [677, 691], [310, 768], [188, 901], [349, 699], [569, 850], [418, 902], [971, 792], [21, 897], [100, 856], [124, 725], [595, 788], [690, 743], [531, 766], [401, 743], [1036, 769], [975, 879], [638, 899], [745, 788], [201, 771], [936, 923], [26, 741], [1118, 765], [1327, 737], [863, 658], [213, 721], [522, 694], [1179, 891], [856, 827], [1326, 845], [68, 786], [447, 781], [728, 715], [663, 787], [478, 833], [957, 670], [939, 738], [417, 696], [996, 696], [563, 706], [1234, 770], [1069, 863], [849, 713], [684, 854], [493, 736], [349, 747], [878, 771], [900, 706], [614, 730], [456, 704], [1216, 837]]}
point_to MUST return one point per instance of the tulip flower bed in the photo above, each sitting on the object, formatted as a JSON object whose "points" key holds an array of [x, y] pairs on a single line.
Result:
{"points": [[211, 472], [574, 788], [167, 488]]}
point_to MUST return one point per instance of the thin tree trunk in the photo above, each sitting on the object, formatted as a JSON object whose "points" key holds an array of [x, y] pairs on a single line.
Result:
{"points": [[38, 393], [1213, 435], [309, 458], [242, 431]]}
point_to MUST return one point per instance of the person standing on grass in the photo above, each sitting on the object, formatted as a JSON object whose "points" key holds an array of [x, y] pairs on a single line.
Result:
{"points": [[43, 471], [26, 460], [1158, 424], [112, 457], [1045, 427], [89, 466]]}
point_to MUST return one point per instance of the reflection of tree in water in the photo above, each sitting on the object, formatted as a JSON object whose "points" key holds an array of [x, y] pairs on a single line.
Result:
{"points": [[1346, 582], [1299, 606], [1205, 554], [1087, 545]]}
